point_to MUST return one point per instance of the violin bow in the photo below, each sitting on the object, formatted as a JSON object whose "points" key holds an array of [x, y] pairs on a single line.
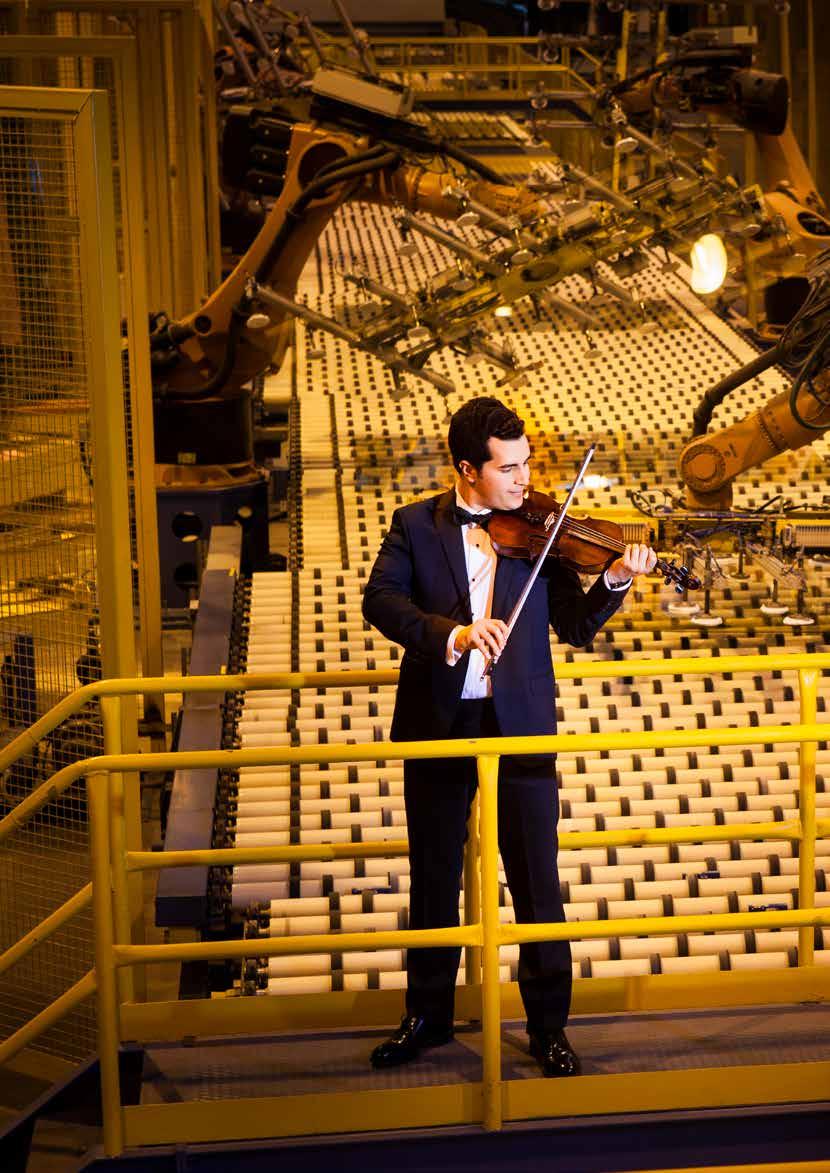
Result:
{"points": [[534, 574]]}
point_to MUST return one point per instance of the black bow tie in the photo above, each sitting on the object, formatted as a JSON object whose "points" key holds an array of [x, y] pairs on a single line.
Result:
{"points": [[462, 517]]}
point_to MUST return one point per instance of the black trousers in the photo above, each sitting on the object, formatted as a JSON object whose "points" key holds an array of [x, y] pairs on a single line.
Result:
{"points": [[438, 795]]}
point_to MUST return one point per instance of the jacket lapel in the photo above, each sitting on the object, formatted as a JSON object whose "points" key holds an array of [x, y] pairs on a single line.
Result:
{"points": [[450, 535], [507, 586]]}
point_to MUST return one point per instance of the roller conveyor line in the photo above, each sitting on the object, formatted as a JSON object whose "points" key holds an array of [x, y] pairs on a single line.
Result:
{"points": [[364, 454]]}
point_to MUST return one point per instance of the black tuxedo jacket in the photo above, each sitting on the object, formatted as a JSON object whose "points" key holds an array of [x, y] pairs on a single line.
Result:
{"points": [[418, 592]]}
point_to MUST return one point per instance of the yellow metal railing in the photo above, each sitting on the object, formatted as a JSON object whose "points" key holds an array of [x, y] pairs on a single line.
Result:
{"points": [[113, 864]]}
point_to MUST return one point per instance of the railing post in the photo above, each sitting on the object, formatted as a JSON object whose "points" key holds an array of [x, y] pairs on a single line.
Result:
{"points": [[111, 714], [472, 896], [105, 970], [807, 688], [488, 786]]}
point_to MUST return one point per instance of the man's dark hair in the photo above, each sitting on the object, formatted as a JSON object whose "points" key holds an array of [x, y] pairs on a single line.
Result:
{"points": [[473, 424]]}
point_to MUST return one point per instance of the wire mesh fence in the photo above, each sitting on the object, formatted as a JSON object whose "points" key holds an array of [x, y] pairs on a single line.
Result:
{"points": [[174, 69], [48, 557], [84, 72], [152, 60]]}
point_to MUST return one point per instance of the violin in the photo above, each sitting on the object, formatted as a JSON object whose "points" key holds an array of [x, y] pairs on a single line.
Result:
{"points": [[587, 545]]}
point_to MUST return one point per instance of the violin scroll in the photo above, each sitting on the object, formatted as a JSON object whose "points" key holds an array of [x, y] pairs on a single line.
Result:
{"points": [[681, 576]]}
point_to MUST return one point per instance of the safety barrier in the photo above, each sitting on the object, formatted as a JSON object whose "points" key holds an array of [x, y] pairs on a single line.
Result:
{"points": [[67, 592], [491, 1101]]}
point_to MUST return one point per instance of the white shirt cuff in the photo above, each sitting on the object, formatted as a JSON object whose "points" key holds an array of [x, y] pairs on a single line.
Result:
{"points": [[453, 656], [618, 586]]}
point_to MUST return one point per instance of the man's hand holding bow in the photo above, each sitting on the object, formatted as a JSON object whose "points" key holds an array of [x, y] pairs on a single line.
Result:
{"points": [[487, 635]]}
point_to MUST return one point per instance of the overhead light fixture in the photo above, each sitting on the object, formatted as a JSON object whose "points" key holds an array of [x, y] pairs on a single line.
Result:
{"points": [[503, 311], [709, 264]]}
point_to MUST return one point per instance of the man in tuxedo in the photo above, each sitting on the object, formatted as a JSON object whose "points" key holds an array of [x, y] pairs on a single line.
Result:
{"points": [[438, 589]]}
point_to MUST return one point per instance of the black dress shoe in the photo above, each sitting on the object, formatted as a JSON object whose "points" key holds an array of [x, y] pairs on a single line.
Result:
{"points": [[555, 1054], [412, 1036]]}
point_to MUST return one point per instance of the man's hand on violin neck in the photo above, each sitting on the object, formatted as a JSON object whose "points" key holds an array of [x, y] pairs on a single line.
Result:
{"points": [[486, 635], [635, 559]]}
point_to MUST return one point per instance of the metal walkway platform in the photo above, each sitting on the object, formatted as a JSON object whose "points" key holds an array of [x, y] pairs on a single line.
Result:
{"points": [[601, 1142], [333, 1061]]}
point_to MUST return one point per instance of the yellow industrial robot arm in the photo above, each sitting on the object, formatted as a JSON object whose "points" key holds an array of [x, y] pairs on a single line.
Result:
{"points": [[710, 463], [227, 341], [361, 146], [795, 417], [721, 80], [223, 344]]}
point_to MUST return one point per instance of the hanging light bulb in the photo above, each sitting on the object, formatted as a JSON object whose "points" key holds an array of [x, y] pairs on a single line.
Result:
{"points": [[709, 264]]}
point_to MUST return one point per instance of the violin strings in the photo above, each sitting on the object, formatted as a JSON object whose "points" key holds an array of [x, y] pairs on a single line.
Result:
{"points": [[590, 535], [597, 539]]}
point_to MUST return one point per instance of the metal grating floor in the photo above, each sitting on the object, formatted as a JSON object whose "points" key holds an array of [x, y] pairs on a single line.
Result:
{"points": [[336, 1061]]}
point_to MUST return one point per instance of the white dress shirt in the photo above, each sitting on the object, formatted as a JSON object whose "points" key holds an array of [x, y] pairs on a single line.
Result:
{"points": [[480, 559]]}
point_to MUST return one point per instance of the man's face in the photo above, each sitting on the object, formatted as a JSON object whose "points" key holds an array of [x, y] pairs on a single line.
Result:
{"points": [[501, 481]]}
